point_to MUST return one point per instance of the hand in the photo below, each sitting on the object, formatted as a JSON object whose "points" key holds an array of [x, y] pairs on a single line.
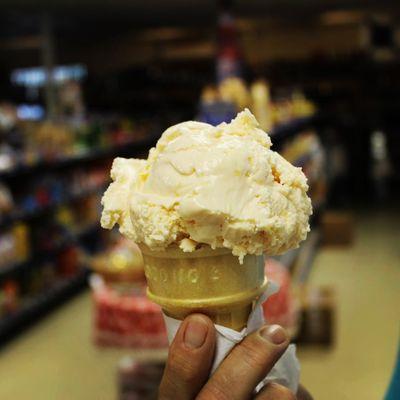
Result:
{"points": [[186, 375]]}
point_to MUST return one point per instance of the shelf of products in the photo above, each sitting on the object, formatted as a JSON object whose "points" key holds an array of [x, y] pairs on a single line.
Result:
{"points": [[52, 178], [38, 257], [281, 113], [51, 184], [41, 304], [32, 287], [68, 161], [45, 214], [25, 215]]}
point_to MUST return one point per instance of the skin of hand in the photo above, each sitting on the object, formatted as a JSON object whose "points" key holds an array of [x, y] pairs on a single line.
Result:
{"points": [[186, 375]]}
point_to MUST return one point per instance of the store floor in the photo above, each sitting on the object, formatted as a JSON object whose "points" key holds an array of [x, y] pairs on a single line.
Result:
{"points": [[366, 278], [55, 360]]}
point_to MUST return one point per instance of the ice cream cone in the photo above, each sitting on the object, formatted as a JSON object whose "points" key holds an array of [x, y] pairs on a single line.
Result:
{"points": [[209, 281]]}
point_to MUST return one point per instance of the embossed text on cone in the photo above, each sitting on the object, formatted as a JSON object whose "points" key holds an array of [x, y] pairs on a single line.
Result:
{"points": [[209, 281]]}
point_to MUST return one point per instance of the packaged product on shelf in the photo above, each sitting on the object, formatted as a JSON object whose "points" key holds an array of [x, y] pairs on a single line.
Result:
{"points": [[6, 201], [90, 137], [78, 216], [14, 245], [22, 241], [261, 105], [68, 261], [234, 90], [53, 141], [43, 196], [81, 181], [9, 297], [8, 252], [283, 109], [232, 95], [8, 157], [87, 210], [302, 107], [65, 216], [222, 103]]}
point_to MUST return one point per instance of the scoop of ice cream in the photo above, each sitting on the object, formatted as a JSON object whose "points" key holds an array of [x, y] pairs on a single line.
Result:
{"points": [[222, 186]]}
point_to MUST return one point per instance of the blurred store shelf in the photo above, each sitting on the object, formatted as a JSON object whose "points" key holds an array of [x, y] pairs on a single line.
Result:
{"points": [[92, 155], [286, 130], [38, 306], [38, 257], [23, 303], [33, 306], [27, 215]]}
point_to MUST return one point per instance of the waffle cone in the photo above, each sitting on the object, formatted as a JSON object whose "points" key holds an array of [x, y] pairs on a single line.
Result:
{"points": [[212, 282]]}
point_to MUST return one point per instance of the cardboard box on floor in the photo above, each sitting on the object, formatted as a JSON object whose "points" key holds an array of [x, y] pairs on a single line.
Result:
{"points": [[317, 316], [337, 228]]}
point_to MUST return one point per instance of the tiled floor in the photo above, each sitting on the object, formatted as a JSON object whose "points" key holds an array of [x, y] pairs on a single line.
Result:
{"points": [[56, 361]]}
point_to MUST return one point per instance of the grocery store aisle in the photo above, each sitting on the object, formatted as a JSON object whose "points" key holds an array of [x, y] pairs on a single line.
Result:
{"points": [[56, 360], [366, 278]]}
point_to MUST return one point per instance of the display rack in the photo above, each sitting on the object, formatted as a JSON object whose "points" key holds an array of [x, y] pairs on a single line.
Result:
{"points": [[88, 156], [38, 257], [41, 305], [27, 215], [32, 309]]}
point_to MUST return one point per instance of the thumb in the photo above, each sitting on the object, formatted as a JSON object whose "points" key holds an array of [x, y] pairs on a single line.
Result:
{"points": [[189, 359]]}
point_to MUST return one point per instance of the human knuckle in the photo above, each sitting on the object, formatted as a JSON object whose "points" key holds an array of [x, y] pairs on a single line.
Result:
{"points": [[182, 367], [214, 392], [252, 354], [281, 392], [168, 385]]}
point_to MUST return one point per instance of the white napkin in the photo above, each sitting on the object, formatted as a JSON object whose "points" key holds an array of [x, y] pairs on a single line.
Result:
{"points": [[285, 372]]}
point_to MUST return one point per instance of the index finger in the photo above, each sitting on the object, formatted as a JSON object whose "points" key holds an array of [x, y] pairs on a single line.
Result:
{"points": [[246, 365]]}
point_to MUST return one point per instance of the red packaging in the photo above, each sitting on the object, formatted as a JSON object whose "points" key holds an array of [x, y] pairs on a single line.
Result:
{"points": [[127, 318]]}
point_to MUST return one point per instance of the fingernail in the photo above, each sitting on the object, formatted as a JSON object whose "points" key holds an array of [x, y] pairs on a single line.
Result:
{"points": [[195, 333], [274, 333]]}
